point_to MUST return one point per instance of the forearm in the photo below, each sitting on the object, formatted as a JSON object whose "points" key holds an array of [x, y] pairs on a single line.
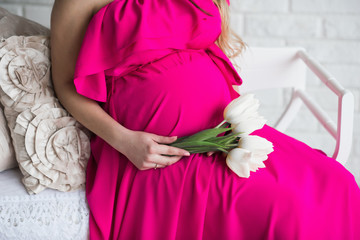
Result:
{"points": [[91, 115]]}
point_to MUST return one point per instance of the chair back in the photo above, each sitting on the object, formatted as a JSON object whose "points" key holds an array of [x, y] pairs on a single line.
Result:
{"points": [[266, 68], [269, 68]]}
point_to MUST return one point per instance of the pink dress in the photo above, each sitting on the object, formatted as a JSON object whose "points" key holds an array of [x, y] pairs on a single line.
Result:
{"points": [[153, 66]]}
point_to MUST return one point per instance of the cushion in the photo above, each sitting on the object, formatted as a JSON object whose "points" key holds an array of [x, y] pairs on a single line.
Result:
{"points": [[7, 158], [51, 147], [10, 25]]}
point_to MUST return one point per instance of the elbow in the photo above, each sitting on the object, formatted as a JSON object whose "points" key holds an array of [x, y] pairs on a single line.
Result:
{"points": [[63, 87]]}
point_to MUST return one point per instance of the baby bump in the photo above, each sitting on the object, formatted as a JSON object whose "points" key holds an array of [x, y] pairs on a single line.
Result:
{"points": [[179, 94]]}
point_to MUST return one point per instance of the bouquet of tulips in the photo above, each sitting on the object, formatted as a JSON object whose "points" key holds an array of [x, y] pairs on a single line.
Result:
{"points": [[245, 152]]}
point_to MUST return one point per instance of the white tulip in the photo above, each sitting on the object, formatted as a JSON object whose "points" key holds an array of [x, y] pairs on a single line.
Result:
{"points": [[248, 125], [243, 114], [259, 147], [249, 155], [238, 106], [238, 161], [256, 144]]}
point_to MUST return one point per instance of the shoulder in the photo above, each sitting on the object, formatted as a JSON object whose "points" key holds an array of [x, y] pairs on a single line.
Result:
{"points": [[68, 24], [78, 8], [70, 14], [100, 4]]}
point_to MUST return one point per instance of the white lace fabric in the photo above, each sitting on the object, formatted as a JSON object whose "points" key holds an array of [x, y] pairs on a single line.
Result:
{"points": [[50, 214]]}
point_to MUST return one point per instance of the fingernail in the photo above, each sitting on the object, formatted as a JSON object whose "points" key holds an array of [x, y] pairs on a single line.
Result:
{"points": [[187, 154]]}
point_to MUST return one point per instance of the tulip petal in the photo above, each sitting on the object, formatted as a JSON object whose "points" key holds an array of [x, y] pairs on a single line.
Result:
{"points": [[259, 157], [238, 161], [241, 169], [243, 113], [248, 126], [255, 165], [256, 144], [240, 106]]}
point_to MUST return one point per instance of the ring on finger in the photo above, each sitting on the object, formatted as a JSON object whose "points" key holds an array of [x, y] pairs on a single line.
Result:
{"points": [[155, 165]]}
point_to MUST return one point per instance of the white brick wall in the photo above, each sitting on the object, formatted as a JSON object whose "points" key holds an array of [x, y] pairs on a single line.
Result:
{"points": [[326, 6], [328, 29]]}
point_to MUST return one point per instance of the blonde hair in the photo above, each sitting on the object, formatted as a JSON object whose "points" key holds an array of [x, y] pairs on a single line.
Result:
{"points": [[229, 42]]}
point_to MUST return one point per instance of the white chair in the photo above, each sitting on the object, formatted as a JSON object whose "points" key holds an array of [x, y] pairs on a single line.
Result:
{"points": [[266, 68]]}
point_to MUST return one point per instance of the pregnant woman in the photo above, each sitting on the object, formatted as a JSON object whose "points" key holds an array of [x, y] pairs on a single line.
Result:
{"points": [[139, 74]]}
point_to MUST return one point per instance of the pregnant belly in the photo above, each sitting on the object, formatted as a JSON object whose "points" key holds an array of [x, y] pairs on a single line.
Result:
{"points": [[179, 94]]}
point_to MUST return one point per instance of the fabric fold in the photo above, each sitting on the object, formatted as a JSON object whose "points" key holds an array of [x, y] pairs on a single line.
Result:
{"points": [[124, 35], [222, 61]]}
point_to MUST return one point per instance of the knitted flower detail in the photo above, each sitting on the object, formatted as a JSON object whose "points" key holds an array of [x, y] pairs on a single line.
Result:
{"points": [[56, 150], [25, 71]]}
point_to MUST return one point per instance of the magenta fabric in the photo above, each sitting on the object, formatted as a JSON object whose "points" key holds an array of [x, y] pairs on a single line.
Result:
{"points": [[153, 66], [125, 34]]}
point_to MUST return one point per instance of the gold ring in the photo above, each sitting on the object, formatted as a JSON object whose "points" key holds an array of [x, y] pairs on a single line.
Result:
{"points": [[155, 165]]}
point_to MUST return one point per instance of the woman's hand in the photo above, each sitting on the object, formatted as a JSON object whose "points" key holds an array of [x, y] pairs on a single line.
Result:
{"points": [[145, 150]]}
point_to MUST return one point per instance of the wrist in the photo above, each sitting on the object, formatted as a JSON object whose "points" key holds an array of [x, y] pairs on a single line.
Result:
{"points": [[119, 138]]}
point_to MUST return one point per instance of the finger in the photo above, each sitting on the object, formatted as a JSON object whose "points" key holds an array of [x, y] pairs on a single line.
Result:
{"points": [[172, 151], [210, 153], [166, 161], [161, 166], [158, 165], [164, 139], [151, 165]]}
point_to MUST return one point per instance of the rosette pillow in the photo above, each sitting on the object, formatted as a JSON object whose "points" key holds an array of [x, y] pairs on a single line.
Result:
{"points": [[11, 25], [7, 157], [51, 147]]}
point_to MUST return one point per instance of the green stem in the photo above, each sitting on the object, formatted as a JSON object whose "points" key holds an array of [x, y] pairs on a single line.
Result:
{"points": [[220, 124]]}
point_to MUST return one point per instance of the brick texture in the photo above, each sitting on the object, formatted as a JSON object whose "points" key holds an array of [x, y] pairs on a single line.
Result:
{"points": [[342, 27], [328, 29], [283, 25], [260, 5], [326, 6]]}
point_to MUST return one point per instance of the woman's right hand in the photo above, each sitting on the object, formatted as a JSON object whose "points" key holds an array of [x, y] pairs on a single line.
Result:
{"points": [[145, 150]]}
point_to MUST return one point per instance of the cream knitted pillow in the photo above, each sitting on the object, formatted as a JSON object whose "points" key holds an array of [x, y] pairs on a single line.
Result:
{"points": [[11, 25], [52, 149]]}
